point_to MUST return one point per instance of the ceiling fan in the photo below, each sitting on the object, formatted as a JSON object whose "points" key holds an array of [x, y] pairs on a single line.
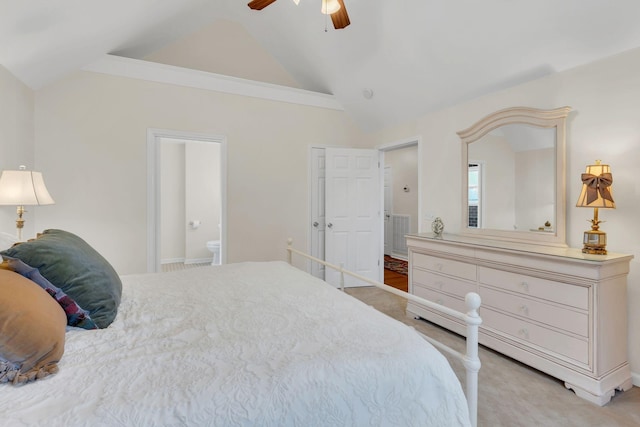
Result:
{"points": [[335, 8]]}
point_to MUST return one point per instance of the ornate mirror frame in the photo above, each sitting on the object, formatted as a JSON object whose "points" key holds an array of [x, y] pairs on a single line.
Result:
{"points": [[555, 118]]}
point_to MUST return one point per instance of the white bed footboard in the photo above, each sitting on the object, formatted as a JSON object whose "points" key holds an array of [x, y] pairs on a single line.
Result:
{"points": [[472, 319]]}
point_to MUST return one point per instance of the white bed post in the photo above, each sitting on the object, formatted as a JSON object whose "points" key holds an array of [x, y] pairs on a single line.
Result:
{"points": [[471, 360], [342, 276]]}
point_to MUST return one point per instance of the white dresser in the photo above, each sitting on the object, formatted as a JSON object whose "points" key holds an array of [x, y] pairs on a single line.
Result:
{"points": [[556, 309]]}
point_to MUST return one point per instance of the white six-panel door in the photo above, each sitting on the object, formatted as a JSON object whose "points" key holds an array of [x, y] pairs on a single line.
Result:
{"points": [[352, 213]]}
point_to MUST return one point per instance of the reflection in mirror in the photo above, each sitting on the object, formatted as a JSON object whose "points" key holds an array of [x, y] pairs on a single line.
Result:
{"points": [[513, 176], [512, 179]]}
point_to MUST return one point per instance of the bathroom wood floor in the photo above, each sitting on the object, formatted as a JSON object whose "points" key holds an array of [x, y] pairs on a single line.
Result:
{"points": [[396, 280]]}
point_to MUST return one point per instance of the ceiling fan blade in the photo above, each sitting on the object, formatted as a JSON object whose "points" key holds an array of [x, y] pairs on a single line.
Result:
{"points": [[259, 4], [341, 17]]}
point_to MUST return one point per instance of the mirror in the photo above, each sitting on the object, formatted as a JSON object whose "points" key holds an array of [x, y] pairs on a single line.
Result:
{"points": [[513, 164]]}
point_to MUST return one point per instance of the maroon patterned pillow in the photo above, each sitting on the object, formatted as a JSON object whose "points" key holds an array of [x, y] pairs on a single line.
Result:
{"points": [[76, 315]]}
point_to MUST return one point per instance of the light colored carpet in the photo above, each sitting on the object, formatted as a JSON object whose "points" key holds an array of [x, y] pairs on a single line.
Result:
{"points": [[512, 394]]}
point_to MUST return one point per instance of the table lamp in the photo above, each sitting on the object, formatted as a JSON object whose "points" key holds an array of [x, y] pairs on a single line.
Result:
{"points": [[596, 193], [23, 188]]}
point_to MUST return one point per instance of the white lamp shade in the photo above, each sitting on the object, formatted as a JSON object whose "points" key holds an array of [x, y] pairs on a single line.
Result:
{"points": [[330, 6], [23, 187]]}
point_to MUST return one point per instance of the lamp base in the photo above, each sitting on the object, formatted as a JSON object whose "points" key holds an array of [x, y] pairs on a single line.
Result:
{"points": [[20, 222], [595, 242]]}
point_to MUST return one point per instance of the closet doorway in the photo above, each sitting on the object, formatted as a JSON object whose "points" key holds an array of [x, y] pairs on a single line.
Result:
{"points": [[186, 198], [401, 194], [403, 157]]}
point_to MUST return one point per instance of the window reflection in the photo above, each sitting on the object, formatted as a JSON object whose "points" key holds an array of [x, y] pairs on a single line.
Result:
{"points": [[474, 198]]}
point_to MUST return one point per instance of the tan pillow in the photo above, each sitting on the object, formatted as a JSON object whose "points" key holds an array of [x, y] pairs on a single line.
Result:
{"points": [[32, 330]]}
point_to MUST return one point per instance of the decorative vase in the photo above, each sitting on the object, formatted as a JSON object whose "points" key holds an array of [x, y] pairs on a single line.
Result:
{"points": [[437, 226]]}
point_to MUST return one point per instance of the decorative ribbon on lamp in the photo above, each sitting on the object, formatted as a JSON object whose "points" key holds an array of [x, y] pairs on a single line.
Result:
{"points": [[596, 193], [23, 188]]}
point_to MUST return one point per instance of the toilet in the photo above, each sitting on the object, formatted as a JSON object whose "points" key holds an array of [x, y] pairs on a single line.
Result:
{"points": [[214, 247]]}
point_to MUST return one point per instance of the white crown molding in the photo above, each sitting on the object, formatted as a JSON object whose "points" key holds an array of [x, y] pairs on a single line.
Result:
{"points": [[162, 73]]}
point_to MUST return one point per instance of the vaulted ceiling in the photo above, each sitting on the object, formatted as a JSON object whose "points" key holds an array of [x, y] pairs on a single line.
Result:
{"points": [[414, 56]]}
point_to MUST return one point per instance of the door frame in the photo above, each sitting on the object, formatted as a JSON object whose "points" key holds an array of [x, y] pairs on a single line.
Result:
{"points": [[313, 268], [406, 142], [385, 220], [154, 137]]}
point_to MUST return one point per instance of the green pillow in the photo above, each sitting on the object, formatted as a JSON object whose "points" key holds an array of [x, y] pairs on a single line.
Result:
{"points": [[72, 265]]}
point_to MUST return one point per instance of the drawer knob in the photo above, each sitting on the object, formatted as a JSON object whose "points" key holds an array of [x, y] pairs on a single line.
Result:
{"points": [[524, 333], [439, 284], [439, 267], [525, 286], [524, 309], [439, 301]]}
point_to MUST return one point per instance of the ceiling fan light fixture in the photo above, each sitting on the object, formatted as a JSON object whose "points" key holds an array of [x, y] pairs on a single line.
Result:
{"points": [[330, 7], [297, 2]]}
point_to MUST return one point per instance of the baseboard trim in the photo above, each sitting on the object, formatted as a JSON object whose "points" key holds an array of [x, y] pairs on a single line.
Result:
{"points": [[198, 261], [186, 261], [403, 257], [171, 261]]}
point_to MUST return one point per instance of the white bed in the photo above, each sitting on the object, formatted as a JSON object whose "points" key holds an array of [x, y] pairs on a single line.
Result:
{"points": [[249, 344]]}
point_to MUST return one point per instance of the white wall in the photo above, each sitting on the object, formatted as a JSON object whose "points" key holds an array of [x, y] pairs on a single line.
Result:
{"points": [[604, 125], [224, 47], [172, 202], [534, 197], [90, 138], [16, 144]]}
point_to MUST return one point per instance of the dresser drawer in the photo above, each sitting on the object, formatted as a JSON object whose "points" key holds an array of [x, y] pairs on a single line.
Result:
{"points": [[439, 298], [562, 293], [558, 317], [556, 342], [459, 269], [442, 283]]}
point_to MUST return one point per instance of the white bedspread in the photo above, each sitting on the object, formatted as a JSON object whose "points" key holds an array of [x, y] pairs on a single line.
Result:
{"points": [[250, 344]]}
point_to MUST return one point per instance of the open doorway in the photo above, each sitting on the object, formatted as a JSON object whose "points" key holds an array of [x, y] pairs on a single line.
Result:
{"points": [[320, 224], [190, 223], [401, 201], [186, 199]]}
